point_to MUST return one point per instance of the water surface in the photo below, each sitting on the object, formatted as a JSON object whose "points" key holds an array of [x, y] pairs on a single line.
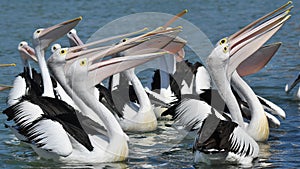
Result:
{"points": [[160, 149]]}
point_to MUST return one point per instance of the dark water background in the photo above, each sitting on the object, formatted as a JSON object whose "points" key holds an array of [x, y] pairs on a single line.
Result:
{"points": [[216, 19]]}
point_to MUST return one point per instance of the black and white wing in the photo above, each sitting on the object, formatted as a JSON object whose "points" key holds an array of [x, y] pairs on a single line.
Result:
{"points": [[190, 113], [32, 128]]}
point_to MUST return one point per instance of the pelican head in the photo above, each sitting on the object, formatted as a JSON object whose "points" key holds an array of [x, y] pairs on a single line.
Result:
{"points": [[26, 51], [55, 47], [74, 40], [248, 40], [230, 52], [43, 37]]}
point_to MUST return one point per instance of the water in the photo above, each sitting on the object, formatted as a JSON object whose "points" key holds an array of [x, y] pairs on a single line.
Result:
{"points": [[160, 149]]}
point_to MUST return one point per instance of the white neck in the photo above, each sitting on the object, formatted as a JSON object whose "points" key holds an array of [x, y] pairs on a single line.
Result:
{"points": [[139, 90], [217, 69], [47, 83], [26, 64], [113, 127], [58, 72], [30, 71], [258, 127], [117, 145]]}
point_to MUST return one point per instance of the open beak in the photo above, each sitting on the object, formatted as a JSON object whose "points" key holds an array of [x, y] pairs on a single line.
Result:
{"points": [[157, 42], [258, 59], [176, 46], [248, 40], [290, 86], [161, 37], [53, 33], [95, 43], [75, 52], [29, 52], [101, 70], [74, 40]]}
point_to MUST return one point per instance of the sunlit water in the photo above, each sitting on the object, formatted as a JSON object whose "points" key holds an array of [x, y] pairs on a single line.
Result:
{"points": [[162, 148]]}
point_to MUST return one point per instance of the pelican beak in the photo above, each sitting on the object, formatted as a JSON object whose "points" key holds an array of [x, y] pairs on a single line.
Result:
{"points": [[5, 87], [75, 52], [290, 86], [258, 59], [167, 40], [146, 43], [176, 46], [94, 43], [29, 52], [74, 40], [7, 65], [101, 70], [249, 39], [51, 34]]}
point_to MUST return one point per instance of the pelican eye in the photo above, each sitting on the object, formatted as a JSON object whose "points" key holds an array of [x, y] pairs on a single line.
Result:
{"points": [[21, 44], [223, 41], [124, 40], [225, 49], [82, 63], [38, 31], [63, 51]]}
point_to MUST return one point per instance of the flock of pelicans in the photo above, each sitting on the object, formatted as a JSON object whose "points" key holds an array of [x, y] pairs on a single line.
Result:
{"points": [[66, 114]]}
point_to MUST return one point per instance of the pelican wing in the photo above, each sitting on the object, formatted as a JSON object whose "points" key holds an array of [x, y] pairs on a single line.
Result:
{"points": [[18, 90], [50, 136], [190, 113], [34, 108], [243, 144], [65, 114], [271, 107], [217, 135], [45, 134]]}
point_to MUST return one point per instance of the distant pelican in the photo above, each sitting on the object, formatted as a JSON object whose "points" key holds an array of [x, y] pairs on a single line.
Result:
{"points": [[289, 87]]}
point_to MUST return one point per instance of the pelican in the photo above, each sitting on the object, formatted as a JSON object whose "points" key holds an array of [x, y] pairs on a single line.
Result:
{"points": [[22, 83], [192, 80], [32, 84], [28, 105], [289, 87], [221, 137], [42, 38], [134, 117], [114, 147]]}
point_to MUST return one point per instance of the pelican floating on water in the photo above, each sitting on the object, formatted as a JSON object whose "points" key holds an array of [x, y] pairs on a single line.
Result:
{"points": [[289, 87], [221, 138]]}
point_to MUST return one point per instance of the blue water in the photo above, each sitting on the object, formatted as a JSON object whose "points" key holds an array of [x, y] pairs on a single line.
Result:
{"points": [[160, 149]]}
